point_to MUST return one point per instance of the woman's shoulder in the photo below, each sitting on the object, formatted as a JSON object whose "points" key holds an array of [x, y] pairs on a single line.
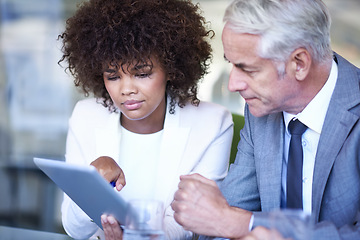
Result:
{"points": [[90, 105], [207, 108], [90, 109], [205, 111]]}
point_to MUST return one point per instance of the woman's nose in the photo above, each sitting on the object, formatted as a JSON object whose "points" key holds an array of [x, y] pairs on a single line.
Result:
{"points": [[128, 86]]}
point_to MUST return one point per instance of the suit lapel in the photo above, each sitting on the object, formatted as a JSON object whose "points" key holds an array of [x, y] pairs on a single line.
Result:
{"points": [[338, 123], [270, 163], [171, 151]]}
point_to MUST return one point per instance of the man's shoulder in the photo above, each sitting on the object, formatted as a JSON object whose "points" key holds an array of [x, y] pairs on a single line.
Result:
{"points": [[345, 66]]}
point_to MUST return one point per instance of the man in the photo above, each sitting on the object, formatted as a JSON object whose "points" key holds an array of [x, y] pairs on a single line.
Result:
{"points": [[285, 70]]}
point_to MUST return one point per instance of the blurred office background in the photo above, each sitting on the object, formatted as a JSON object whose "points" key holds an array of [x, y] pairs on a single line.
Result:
{"points": [[37, 96]]}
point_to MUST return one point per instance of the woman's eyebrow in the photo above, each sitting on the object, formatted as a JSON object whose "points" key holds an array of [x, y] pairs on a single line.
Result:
{"points": [[110, 70], [141, 66]]}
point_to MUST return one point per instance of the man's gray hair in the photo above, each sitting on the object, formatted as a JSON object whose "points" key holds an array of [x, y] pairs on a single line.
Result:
{"points": [[284, 26]]}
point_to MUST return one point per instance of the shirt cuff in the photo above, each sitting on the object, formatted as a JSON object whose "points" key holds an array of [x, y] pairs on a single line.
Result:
{"points": [[251, 223]]}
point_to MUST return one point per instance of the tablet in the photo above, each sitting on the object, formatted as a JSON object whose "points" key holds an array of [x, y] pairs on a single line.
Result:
{"points": [[86, 187]]}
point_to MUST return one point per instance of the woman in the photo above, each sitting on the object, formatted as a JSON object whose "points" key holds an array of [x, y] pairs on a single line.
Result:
{"points": [[142, 61]]}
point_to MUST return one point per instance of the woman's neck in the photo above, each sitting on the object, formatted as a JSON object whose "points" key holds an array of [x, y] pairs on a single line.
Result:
{"points": [[150, 124]]}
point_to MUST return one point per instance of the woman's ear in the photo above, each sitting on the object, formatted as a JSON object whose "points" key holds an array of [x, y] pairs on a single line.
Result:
{"points": [[301, 62]]}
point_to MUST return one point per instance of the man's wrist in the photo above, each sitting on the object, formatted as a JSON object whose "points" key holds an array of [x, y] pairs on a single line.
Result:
{"points": [[237, 223]]}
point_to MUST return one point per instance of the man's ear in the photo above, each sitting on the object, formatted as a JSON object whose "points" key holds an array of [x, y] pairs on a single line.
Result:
{"points": [[301, 63]]}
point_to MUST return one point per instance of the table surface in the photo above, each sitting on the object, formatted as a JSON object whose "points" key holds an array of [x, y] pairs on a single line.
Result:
{"points": [[11, 233]]}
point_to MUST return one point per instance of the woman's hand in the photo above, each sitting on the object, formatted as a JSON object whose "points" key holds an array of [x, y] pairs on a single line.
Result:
{"points": [[110, 170], [111, 228], [262, 233]]}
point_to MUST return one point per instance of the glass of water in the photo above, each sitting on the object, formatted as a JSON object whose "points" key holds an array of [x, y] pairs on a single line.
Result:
{"points": [[294, 224], [144, 220]]}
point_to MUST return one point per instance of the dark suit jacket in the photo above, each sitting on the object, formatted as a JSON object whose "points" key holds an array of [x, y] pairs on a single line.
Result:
{"points": [[254, 180]]}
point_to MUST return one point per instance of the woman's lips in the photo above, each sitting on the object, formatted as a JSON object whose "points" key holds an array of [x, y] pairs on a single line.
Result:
{"points": [[132, 104]]}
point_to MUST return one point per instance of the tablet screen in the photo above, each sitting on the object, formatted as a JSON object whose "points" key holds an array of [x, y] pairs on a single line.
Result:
{"points": [[86, 187]]}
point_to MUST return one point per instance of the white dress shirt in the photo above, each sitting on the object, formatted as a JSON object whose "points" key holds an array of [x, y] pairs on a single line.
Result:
{"points": [[313, 116]]}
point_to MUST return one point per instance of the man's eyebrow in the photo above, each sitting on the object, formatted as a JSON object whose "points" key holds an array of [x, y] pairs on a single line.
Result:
{"points": [[240, 65], [237, 65]]}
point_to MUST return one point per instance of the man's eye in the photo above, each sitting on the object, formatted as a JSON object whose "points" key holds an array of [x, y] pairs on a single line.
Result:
{"points": [[249, 72]]}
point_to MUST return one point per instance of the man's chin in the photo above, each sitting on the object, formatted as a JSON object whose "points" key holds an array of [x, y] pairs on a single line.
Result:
{"points": [[258, 112]]}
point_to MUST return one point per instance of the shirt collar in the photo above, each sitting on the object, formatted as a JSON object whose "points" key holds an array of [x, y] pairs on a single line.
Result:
{"points": [[313, 115]]}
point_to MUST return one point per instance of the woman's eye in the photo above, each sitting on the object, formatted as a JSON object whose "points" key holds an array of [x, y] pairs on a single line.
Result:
{"points": [[143, 75], [113, 78]]}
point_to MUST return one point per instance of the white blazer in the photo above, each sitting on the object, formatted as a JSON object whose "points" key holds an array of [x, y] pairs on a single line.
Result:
{"points": [[195, 140]]}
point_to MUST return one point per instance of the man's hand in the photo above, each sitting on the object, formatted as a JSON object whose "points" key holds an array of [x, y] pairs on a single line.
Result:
{"points": [[110, 170], [201, 208], [111, 228]]}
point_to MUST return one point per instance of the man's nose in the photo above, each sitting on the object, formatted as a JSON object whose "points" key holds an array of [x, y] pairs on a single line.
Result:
{"points": [[236, 81]]}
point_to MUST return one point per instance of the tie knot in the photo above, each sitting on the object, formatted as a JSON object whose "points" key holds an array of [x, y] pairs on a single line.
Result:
{"points": [[296, 127]]}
